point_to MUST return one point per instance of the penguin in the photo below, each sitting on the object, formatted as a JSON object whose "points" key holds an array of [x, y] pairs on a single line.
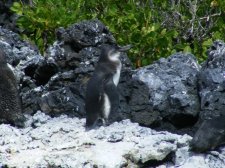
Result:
{"points": [[102, 97], [10, 103]]}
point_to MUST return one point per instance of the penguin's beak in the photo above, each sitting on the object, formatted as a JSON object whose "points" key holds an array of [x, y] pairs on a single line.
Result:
{"points": [[124, 48]]}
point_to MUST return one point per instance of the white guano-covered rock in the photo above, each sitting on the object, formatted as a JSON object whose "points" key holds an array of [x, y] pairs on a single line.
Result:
{"points": [[63, 141]]}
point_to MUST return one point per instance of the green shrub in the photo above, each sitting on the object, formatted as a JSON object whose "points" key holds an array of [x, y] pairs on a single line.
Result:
{"points": [[134, 23], [39, 21], [156, 28]]}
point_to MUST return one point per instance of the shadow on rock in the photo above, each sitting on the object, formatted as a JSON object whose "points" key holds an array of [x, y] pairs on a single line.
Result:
{"points": [[210, 135]]}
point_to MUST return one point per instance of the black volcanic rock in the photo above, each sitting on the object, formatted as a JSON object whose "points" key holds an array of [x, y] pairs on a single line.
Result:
{"points": [[75, 55], [212, 82], [173, 93], [134, 100], [85, 34], [17, 51], [66, 67], [210, 135], [56, 83], [65, 100], [211, 131], [163, 95], [7, 17], [10, 103], [20, 55], [25, 59]]}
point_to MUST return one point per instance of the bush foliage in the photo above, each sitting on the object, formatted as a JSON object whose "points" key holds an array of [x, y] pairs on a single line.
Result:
{"points": [[156, 28]]}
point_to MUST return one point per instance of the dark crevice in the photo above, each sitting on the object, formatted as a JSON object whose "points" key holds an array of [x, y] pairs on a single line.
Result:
{"points": [[155, 124], [5, 166], [30, 70], [155, 163], [183, 120], [106, 31], [128, 98], [206, 104], [44, 73], [77, 47]]}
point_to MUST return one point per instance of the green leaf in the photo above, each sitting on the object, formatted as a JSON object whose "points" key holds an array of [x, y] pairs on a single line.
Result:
{"points": [[217, 35], [151, 35], [179, 46], [135, 37], [207, 43], [187, 49], [163, 32], [145, 62], [172, 33], [17, 7], [162, 42]]}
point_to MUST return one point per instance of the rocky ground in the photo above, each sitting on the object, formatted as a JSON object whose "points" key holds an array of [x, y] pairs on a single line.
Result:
{"points": [[63, 142]]}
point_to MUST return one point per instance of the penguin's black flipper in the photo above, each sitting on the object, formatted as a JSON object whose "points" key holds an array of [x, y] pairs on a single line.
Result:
{"points": [[93, 101], [95, 95], [112, 92]]}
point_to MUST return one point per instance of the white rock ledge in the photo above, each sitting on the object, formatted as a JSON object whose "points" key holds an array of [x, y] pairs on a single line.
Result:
{"points": [[63, 141]]}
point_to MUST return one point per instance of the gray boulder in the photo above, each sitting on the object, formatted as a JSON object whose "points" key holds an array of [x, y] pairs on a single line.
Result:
{"points": [[24, 59], [17, 51], [173, 92], [10, 103], [19, 54], [214, 137], [134, 100], [212, 82], [211, 131]]}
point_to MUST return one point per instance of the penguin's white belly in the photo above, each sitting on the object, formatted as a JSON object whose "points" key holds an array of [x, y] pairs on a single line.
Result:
{"points": [[106, 106], [116, 77], [10, 67]]}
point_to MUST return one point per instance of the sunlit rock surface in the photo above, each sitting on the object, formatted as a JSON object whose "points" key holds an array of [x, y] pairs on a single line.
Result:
{"points": [[63, 141], [173, 90]]}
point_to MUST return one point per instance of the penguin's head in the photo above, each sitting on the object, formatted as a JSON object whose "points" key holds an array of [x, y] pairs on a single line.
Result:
{"points": [[112, 53]]}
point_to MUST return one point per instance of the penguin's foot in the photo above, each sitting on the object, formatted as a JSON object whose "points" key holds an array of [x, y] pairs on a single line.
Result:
{"points": [[100, 122], [105, 122]]}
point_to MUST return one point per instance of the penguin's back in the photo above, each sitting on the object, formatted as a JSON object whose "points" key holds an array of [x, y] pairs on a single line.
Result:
{"points": [[94, 99], [95, 86]]}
